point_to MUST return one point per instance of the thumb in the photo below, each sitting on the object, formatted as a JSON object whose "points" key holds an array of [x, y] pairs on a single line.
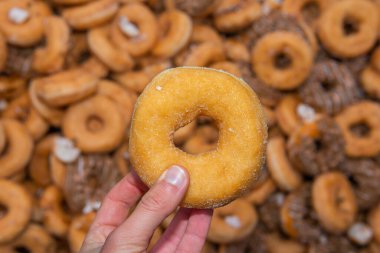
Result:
{"points": [[161, 200]]}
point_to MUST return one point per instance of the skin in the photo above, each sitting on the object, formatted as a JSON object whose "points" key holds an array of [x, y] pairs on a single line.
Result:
{"points": [[114, 230]]}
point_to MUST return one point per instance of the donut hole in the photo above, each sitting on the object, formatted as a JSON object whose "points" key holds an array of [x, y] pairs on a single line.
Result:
{"points": [[3, 211], [94, 123], [21, 249], [350, 26], [360, 129], [282, 60], [328, 85], [311, 10]]}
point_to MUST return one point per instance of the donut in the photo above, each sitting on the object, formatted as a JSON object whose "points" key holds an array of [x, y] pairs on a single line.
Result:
{"points": [[91, 14], [316, 147], [174, 33], [94, 66], [100, 43], [3, 52], [233, 16], [334, 201], [119, 95], [375, 59], [260, 194], [18, 207], [227, 66], [21, 21], [78, 230], [51, 58], [276, 244], [370, 81], [176, 105], [11, 87], [279, 166], [20, 109], [374, 222], [122, 159], [55, 218], [16, 156], [39, 167], [307, 10], [330, 87], [349, 28], [65, 87], [137, 80], [58, 171], [236, 51], [95, 125], [232, 222], [34, 239], [361, 143], [134, 29], [198, 8], [282, 60]]}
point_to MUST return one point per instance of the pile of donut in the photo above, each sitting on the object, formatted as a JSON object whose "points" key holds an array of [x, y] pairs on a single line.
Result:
{"points": [[72, 70]]}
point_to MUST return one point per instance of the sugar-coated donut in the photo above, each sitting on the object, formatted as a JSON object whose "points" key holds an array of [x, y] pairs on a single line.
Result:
{"points": [[176, 97]]}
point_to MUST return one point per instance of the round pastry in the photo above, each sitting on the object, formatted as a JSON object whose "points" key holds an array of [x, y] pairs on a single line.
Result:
{"points": [[175, 98]]}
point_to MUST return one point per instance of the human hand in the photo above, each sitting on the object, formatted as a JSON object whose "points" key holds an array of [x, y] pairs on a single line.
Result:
{"points": [[114, 230]]}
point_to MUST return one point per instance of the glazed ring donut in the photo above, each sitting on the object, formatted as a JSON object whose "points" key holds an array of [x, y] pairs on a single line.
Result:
{"points": [[66, 87], [232, 222], [134, 29], [78, 230], [233, 16], [370, 81], [109, 53], [92, 14], [169, 102], [3, 52], [174, 33], [286, 114], [20, 109], [374, 222], [51, 58], [21, 21], [279, 166], [16, 156], [35, 239], [334, 201], [55, 218], [95, 125], [308, 10], [349, 28], [357, 144], [18, 206], [282, 60]]}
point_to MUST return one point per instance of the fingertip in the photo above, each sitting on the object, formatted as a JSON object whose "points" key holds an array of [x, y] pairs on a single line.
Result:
{"points": [[175, 175]]}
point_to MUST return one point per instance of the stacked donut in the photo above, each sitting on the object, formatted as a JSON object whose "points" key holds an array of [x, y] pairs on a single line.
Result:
{"points": [[72, 70]]}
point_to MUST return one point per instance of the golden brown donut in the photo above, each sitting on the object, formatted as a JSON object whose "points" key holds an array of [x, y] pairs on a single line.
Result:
{"points": [[91, 14], [134, 29], [236, 51], [58, 171], [334, 201], [374, 222], [260, 194], [11, 86], [16, 156], [279, 166], [20, 109], [18, 206], [34, 239], [109, 53], [95, 125], [232, 15], [78, 230], [375, 59], [65, 87], [237, 113], [3, 52], [21, 21], [349, 28], [282, 60], [51, 58], [174, 32], [232, 222], [370, 81], [367, 114], [55, 218], [228, 66]]}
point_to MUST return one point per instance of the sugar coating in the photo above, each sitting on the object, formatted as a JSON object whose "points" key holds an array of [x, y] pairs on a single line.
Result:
{"points": [[216, 177], [360, 233], [18, 15], [128, 27], [306, 112], [233, 221], [65, 150]]}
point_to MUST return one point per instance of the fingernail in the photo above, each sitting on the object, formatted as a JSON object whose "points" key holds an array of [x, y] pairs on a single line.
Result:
{"points": [[175, 175]]}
